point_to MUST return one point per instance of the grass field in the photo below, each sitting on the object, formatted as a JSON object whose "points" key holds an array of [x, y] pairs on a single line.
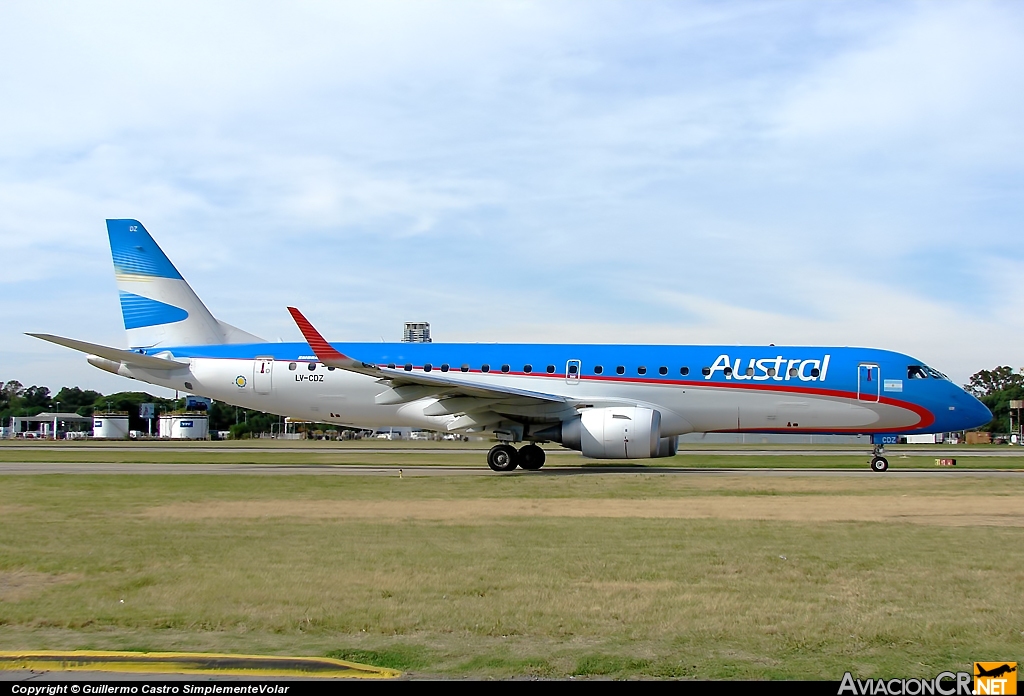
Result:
{"points": [[634, 575]]}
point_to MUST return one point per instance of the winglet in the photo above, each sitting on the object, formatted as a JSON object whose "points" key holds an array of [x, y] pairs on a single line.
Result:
{"points": [[323, 350]]}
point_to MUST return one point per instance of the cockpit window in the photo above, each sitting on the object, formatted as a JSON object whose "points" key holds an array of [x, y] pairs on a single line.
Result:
{"points": [[923, 372]]}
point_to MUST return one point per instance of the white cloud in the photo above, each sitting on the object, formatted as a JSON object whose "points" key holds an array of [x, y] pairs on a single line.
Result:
{"points": [[949, 74], [513, 170]]}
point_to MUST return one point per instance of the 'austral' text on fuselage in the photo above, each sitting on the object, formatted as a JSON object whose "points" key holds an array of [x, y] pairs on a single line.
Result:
{"points": [[779, 368]]}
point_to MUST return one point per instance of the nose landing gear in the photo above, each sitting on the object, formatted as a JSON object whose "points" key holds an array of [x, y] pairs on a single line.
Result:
{"points": [[504, 457], [878, 462]]}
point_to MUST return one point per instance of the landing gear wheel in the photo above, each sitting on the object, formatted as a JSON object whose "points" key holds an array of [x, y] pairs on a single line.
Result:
{"points": [[531, 457], [879, 463], [503, 458]]}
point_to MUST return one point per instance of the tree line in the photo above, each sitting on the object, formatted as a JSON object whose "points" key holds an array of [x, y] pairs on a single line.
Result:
{"points": [[996, 388]]}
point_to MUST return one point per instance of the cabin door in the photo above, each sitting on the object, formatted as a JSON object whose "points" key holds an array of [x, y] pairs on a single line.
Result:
{"points": [[262, 374], [572, 371], [869, 382]]}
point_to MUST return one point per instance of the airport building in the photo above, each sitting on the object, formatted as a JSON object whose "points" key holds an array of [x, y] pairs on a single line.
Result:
{"points": [[773, 439], [416, 332], [806, 439], [45, 425]]}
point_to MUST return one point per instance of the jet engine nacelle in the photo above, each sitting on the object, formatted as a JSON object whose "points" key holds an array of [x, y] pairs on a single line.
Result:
{"points": [[616, 432]]}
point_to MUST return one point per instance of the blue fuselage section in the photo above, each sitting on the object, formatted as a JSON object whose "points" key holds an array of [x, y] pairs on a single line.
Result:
{"points": [[862, 378]]}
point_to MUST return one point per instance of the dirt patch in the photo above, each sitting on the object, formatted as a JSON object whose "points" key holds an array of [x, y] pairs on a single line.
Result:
{"points": [[965, 510], [636, 586], [18, 585], [14, 509]]}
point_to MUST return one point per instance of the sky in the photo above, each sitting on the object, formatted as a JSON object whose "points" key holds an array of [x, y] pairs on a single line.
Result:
{"points": [[809, 173]]}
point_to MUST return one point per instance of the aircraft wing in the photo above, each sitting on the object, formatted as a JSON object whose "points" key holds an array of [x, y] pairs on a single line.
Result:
{"points": [[116, 354], [429, 382]]}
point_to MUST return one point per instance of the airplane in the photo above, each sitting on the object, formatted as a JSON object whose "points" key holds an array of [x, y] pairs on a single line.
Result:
{"points": [[605, 401], [999, 671]]}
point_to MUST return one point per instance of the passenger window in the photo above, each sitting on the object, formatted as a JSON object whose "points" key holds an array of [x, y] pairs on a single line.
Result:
{"points": [[641, 370], [391, 366], [505, 368], [662, 370], [551, 369], [427, 367], [444, 367], [620, 370], [727, 371], [771, 371], [311, 367], [291, 366], [330, 369], [750, 372], [464, 368], [792, 372], [815, 372], [684, 371], [485, 368], [598, 369], [527, 369], [408, 367], [705, 371]]}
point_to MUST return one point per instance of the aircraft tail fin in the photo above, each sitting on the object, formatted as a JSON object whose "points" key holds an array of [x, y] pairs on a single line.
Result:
{"points": [[158, 306]]}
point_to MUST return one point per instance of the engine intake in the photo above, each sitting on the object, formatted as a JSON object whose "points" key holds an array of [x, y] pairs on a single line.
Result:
{"points": [[616, 432]]}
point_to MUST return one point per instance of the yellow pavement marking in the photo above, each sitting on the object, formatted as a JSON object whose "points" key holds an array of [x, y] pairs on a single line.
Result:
{"points": [[190, 663]]}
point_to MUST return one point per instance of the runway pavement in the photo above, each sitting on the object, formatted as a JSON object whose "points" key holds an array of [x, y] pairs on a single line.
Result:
{"points": [[38, 468], [798, 452]]}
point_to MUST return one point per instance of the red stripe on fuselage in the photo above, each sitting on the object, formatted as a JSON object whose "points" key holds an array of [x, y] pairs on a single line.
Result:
{"points": [[926, 416]]}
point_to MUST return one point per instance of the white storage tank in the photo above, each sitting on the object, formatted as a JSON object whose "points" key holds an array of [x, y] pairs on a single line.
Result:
{"points": [[111, 426], [184, 426]]}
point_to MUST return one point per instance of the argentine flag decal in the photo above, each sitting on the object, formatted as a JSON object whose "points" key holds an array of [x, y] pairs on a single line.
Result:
{"points": [[141, 311]]}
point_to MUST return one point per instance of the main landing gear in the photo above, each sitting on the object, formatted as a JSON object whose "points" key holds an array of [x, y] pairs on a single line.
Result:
{"points": [[878, 462], [505, 457]]}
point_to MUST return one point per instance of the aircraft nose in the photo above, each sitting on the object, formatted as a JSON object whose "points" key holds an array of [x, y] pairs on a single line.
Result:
{"points": [[970, 411]]}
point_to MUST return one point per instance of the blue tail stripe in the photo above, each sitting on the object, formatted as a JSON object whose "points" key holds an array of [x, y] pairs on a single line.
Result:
{"points": [[141, 311], [135, 252]]}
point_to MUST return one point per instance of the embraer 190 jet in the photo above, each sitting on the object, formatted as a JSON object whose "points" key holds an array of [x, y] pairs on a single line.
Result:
{"points": [[605, 401]]}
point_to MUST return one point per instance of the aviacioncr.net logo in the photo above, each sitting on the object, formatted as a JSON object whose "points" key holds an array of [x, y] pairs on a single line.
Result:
{"points": [[945, 684]]}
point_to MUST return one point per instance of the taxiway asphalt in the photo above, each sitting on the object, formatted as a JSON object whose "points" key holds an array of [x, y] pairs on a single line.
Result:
{"points": [[119, 468]]}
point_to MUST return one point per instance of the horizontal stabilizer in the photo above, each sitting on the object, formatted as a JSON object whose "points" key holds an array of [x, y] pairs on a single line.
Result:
{"points": [[148, 362]]}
